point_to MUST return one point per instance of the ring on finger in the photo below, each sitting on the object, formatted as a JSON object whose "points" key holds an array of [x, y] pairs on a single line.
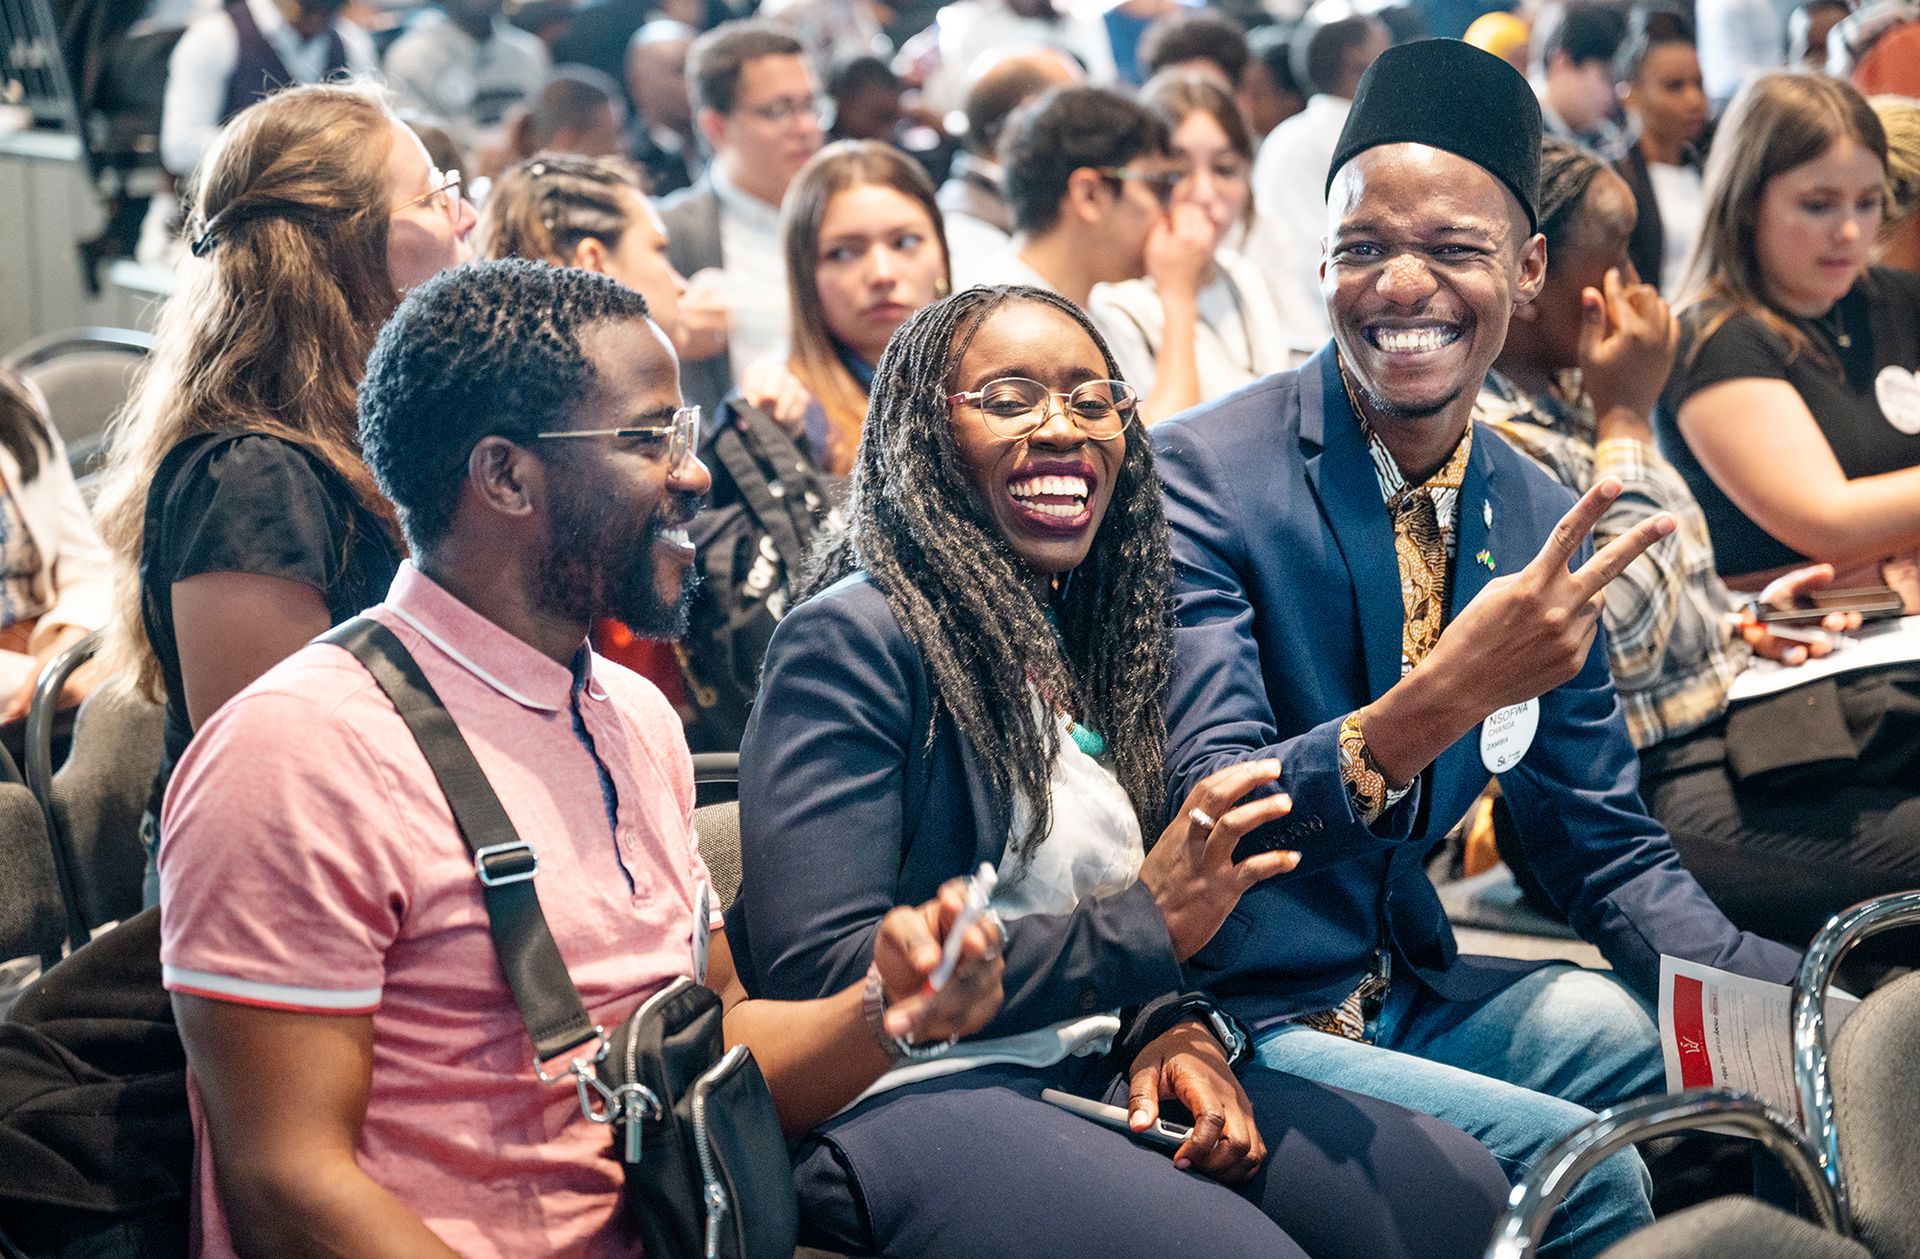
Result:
{"points": [[1201, 818]]}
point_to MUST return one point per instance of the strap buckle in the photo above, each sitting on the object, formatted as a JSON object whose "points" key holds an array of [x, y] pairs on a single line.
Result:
{"points": [[500, 864], [582, 1064]]}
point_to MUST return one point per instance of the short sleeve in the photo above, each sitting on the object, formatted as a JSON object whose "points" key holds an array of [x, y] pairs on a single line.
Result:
{"points": [[1740, 349], [254, 505], [279, 882]]}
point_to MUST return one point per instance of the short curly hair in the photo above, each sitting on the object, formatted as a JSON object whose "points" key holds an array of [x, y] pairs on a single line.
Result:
{"points": [[491, 348]]}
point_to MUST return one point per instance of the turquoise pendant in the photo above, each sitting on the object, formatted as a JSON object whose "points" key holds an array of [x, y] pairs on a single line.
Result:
{"points": [[1088, 741]]}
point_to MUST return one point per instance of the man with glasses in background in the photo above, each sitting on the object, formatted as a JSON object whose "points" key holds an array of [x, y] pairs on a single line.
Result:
{"points": [[757, 106], [1090, 180]]}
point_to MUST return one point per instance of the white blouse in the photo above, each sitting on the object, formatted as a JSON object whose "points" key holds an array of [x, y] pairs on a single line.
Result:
{"points": [[1094, 848], [1240, 338]]}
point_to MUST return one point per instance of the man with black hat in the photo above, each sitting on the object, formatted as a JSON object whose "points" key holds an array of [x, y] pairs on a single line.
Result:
{"points": [[1398, 606]]}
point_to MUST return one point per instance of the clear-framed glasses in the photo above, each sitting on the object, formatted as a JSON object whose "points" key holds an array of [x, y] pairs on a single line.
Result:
{"points": [[679, 439], [786, 108], [1160, 183], [1015, 406], [443, 190]]}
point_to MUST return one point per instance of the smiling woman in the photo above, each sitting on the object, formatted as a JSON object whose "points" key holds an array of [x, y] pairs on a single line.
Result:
{"points": [[983, 682]]}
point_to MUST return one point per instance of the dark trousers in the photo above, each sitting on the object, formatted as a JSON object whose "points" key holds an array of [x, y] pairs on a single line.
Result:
{"points": [[974, 1164], [1798, 805]]}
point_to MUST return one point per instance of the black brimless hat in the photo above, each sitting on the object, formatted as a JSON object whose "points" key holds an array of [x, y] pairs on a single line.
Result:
{"points": [[1449, 95]]}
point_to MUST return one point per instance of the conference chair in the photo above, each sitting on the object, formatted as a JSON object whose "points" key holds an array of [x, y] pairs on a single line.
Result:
{"points": [[87, 375], [94, 802]]}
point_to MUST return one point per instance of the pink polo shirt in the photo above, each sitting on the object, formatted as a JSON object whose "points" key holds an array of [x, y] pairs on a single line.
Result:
{"points": [[310, 863]]}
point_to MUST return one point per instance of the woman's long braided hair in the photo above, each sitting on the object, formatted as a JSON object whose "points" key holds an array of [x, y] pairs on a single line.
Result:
{"points": [[918, 529]]}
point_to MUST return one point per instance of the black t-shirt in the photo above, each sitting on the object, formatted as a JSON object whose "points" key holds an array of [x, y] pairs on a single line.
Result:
{"points": [[237, 502], [1868, 407]]}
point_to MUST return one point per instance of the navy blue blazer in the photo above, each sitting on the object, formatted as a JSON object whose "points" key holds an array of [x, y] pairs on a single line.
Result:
{"points": [[848, 809], [1290, 617]]}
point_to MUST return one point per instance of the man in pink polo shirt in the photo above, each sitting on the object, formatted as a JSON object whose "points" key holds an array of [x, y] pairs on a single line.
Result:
{"points": [[361, 1078]]}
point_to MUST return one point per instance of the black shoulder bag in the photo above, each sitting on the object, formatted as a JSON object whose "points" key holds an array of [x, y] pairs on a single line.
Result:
{"points": [[693, 1125]]}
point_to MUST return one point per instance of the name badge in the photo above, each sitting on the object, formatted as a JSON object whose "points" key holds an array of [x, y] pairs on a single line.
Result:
{"points": [[702, 929], [1898, 392], [1507, 734]]}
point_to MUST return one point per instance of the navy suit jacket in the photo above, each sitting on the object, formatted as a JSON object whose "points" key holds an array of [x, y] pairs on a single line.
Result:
{"points": [[1290, 617], [848, 808]]}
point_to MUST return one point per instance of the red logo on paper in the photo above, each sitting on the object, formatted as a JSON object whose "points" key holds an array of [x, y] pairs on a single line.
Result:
{"points": [[1690, 1032]]}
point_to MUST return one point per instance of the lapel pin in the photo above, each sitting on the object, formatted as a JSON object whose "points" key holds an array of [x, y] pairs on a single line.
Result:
{"points": [[1486, 511], [1486, 557]]}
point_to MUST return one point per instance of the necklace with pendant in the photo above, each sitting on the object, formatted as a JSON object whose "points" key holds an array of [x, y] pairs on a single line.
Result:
{"points": [[1834, 324], [1086, 738]]}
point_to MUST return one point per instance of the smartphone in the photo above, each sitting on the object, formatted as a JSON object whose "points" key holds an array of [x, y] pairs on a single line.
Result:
{"points": [[1162, 1132], [1873, 603]]}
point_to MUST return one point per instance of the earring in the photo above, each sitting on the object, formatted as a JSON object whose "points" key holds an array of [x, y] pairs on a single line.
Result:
{"points": [[941, 288]]}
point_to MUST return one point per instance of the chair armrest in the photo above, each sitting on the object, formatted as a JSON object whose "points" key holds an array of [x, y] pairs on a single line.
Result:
{"points": [[1553, 1176], [1810, 1048], [39, 767]]}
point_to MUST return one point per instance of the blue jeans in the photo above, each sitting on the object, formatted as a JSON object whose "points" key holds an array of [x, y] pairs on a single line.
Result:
{"points": [[1518, 1070]]}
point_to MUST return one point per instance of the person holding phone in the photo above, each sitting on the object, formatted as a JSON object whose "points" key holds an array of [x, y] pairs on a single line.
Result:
{"points": [[1572, 390], [1794, 410], [979, 681]]}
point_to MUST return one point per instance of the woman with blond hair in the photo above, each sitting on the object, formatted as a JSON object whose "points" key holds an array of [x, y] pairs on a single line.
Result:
{"points": [[243, 519], [1793, 411]]}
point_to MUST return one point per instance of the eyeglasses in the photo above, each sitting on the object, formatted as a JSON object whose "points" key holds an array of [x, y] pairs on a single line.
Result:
{"points": [[682, 437], [1160, 183], [1015, 406], [444, 192], [787, 108]]}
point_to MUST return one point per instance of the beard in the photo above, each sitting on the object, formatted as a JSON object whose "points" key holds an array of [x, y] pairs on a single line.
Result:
{"points": [[1388, 409], [597, 566]]}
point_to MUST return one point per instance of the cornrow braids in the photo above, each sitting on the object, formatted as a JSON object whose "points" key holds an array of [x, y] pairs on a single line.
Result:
{"points": [[544, 207], [927, 542], [1567, 171]]}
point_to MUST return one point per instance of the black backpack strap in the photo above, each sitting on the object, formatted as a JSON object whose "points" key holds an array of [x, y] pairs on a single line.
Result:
{"points": [[734, 447], [549, 1003]]}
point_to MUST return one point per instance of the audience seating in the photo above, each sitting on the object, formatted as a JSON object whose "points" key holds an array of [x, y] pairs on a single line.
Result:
{"points": [[93, 804], [86, 375], [1855, 1163], [1537, 1193], [32, 914], [1859, 1094]]}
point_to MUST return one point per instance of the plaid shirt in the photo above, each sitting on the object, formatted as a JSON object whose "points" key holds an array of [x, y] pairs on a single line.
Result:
{"points": [[1674, 653]]}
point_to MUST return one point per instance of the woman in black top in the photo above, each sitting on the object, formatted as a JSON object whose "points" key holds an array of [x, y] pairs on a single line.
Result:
{"points": [[243, 520], [1794, 411]]}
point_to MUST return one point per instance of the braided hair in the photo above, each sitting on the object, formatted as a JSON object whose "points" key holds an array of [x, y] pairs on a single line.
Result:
{"points": [[918, 529]]}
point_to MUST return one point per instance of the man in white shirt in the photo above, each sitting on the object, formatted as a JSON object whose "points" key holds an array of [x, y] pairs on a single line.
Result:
{"points": [[757, 105], [467, 65], [228, 59], [1289, 174], [967, 30]]}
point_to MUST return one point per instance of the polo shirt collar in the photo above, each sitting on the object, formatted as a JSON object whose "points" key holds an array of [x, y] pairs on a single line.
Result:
{"points": [[503, 661]]}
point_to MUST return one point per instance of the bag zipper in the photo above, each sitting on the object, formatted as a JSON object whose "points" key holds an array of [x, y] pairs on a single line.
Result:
{"points": [[718, 1205], [634, 1138]]}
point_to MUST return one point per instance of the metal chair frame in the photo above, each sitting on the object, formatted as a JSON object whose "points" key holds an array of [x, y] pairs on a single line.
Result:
{"points": [[1811, 1067], [52, 345], [40, 771], [1537, 1193]]}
